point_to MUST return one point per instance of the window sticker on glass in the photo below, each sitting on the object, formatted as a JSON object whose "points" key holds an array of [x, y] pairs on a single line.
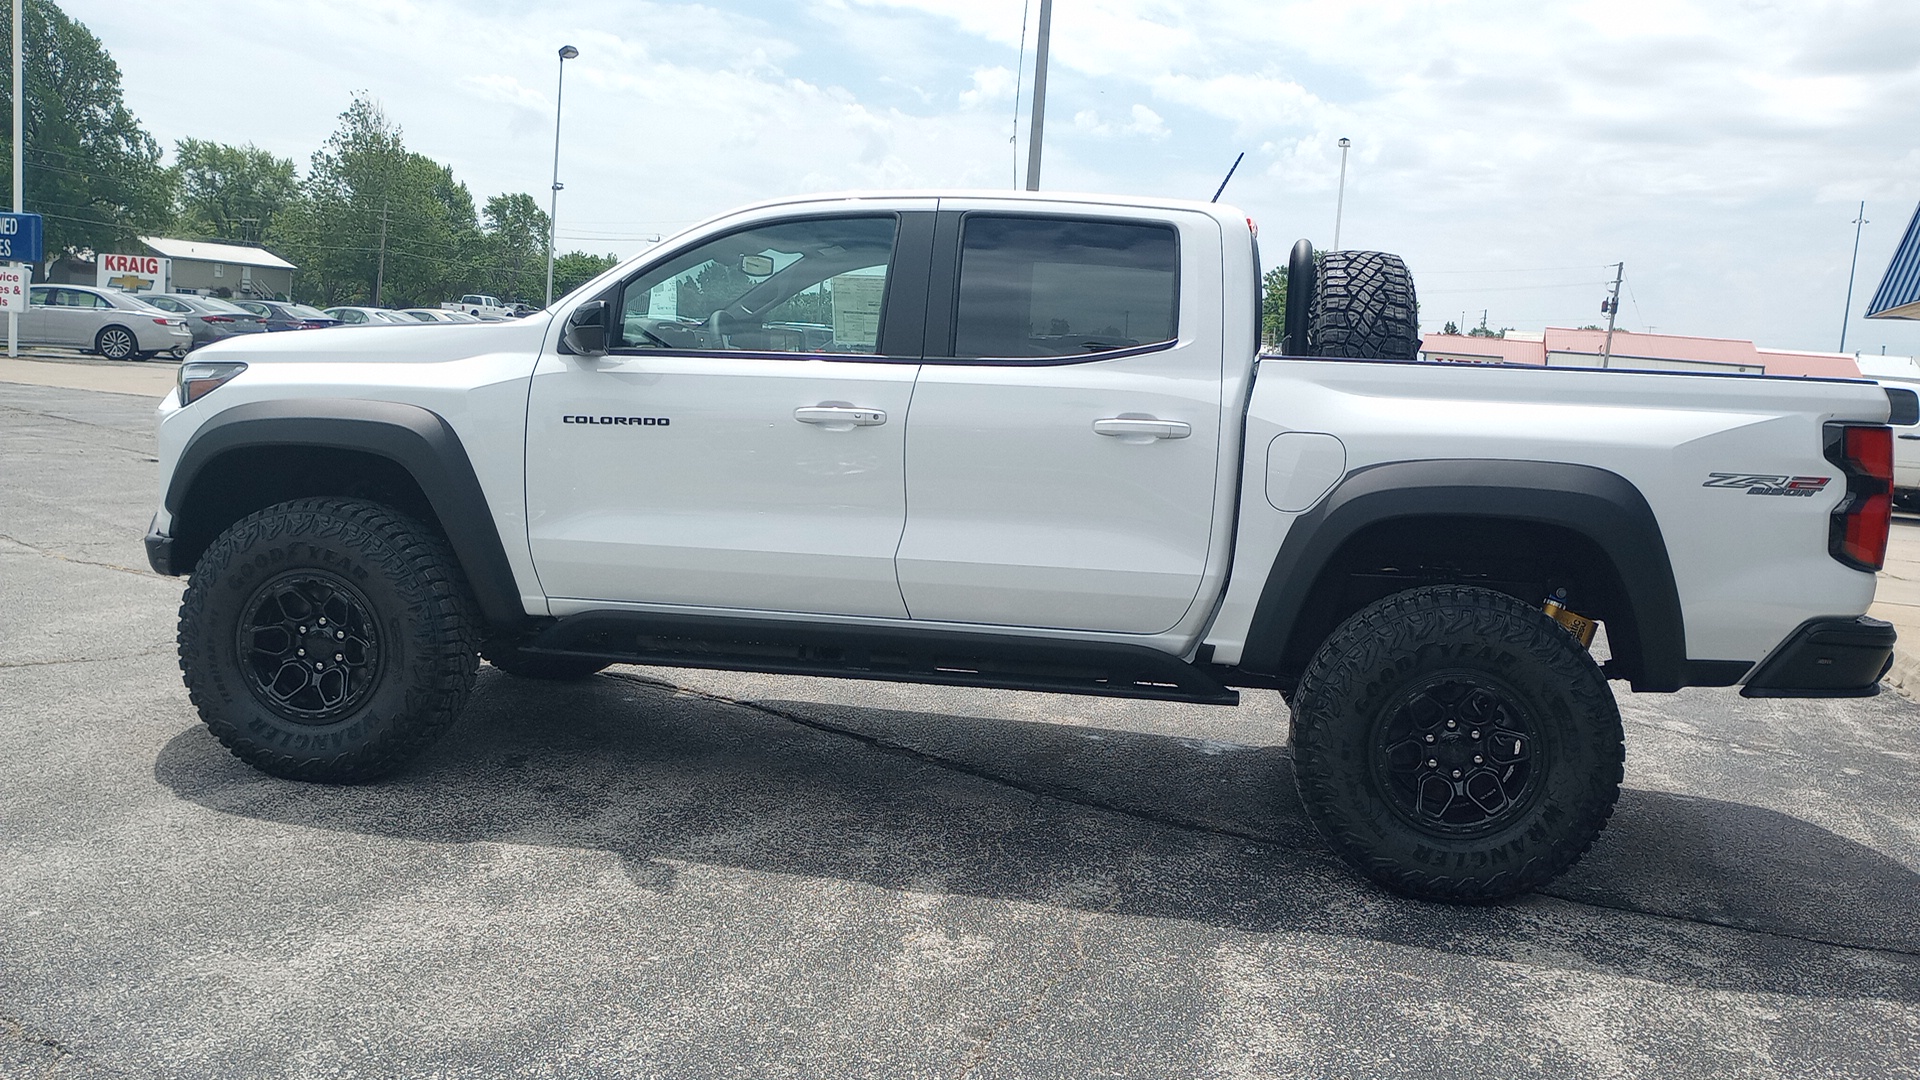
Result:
{"points": [[811, 286]]}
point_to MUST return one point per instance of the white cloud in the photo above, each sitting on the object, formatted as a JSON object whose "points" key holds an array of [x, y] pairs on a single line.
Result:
{"points": [[1718, 146], [990, 85]]}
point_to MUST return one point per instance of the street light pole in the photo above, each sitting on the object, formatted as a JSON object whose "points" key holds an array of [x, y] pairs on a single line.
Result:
{"points": [[567, 52], [19, 179], [1340, 201], [1035, 129], [1845, 315]]}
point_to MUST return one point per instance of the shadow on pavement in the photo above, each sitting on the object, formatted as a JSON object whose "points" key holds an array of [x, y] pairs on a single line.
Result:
{"points": [[1118, 823]]}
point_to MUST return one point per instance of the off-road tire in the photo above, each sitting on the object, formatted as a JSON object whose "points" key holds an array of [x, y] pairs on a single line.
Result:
{"points": [[115, 343], [415, 616], [1363, 306], [527, 665], [1377, 676]]}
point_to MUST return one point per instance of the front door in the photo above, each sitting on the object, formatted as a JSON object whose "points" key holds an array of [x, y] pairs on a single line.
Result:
{"points": [[740, 445], [1061, 456]]}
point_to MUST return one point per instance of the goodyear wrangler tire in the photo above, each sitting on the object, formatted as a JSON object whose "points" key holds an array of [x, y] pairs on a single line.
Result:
{"points": [[1454, 744], [528, 665], [327, 639], [1363, 306]]}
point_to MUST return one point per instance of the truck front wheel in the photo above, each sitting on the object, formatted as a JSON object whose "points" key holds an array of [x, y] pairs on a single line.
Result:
{"points": [[1455, 744], [327, 639]]}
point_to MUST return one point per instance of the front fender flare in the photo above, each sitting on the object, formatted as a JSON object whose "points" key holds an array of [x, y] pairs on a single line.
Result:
{"points": [[417, 440]]}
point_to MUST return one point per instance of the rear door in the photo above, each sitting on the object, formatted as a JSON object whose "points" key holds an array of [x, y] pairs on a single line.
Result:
{"points": [[741, 444], [1066, 427]]}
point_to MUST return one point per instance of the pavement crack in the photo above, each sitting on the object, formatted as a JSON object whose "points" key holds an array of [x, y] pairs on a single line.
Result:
{"points": [[165, 650], [55, 1055], [1079, 799], [1702, 920], [51, 554], [1066, 795]]}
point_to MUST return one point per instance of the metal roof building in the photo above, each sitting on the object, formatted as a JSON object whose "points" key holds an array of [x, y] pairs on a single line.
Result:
{"points": [[1898, 296], [224, 269]]}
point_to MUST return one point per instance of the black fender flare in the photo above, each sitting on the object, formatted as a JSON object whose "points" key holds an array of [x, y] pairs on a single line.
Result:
{"points": [[1600, 505], [418, 440]]}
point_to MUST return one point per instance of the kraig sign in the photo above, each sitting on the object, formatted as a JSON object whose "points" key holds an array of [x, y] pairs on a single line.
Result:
{"points": [[134, 273]]}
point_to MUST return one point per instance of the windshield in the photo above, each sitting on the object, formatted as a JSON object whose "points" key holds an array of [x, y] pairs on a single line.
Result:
{"points": [[302, 311]]}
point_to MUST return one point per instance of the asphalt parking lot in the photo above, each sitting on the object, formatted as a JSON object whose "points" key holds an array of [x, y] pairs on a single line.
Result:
{"points": [[677, 873]]}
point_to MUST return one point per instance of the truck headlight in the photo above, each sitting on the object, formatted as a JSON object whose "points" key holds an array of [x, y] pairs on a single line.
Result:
{"points": [[198, 378]]}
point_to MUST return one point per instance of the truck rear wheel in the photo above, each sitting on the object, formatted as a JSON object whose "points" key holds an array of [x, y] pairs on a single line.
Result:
{"points": [[327, 639], [1363, 306], [1454, 744]]}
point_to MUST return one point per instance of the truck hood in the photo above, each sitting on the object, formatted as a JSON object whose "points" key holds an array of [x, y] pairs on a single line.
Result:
{"points": [[425, 344]]}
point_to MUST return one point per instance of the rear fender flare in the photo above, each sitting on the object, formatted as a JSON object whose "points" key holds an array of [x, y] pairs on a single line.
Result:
{"points": [[1600, 505]]}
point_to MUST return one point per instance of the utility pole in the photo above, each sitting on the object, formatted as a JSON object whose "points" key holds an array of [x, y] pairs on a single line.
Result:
{"points": [[1340, 201], [1846, 314], [19, 178], [380, 270], [1613, 310], [1035, 129]]}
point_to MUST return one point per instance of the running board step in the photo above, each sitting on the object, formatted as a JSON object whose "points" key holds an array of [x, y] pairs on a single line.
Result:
{"points": [[903, 655]]}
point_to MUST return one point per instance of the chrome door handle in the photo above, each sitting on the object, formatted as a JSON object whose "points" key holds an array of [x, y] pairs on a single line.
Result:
{"points": [[839, 417], [1139, 427]]}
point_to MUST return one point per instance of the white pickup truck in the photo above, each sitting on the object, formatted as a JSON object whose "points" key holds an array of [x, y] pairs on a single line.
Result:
{"points": [[1026, 441], [481, 307]]}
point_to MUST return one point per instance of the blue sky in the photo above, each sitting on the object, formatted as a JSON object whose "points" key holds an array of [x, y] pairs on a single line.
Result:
{"points": [[1508, 149]]}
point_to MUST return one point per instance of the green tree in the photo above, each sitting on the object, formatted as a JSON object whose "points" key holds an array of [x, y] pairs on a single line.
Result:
{"points": [[91, 169], [377, 223], [1273, 307], [576, 268], [513, 249], [231, 192], [1451, 327]]}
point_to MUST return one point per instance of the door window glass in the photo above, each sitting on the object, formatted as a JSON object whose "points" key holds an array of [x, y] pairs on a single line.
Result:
{"points": [[1037, 287], [814, 286]]}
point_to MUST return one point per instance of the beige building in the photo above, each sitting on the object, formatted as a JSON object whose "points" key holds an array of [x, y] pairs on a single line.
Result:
{"points": [[214, 269], [1563, 347]]}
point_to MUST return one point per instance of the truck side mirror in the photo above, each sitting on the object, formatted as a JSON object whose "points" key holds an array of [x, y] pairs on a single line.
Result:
{"points": [[586, 330]]}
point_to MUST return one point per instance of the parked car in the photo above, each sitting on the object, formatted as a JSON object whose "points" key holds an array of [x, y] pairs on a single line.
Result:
{"points": [[481, 306], [368, 316], [431, 315], [209, 318], [280, 315], [117, 325]]}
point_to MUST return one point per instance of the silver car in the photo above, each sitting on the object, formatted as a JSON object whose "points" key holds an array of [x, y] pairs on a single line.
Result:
{"points": [[369, 316], [117, 325]]}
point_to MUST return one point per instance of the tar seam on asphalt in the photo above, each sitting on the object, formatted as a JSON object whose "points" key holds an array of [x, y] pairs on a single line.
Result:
{"points": [[1095, 804], [38, 550]]}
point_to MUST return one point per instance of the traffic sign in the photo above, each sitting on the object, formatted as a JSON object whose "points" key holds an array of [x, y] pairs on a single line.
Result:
{"points": [[20, 238]]}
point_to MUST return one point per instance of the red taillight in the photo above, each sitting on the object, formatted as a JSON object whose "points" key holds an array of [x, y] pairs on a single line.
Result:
{"points": [[216, 318], [159, 322], [1858, 534]]}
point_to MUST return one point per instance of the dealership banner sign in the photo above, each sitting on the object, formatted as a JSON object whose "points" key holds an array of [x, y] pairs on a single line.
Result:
{"points": [[134, 273]]}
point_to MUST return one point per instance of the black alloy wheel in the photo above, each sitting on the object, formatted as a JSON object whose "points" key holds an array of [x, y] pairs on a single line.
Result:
{"points": [[1453, 743], [116, 343], [1456, 754], [328, 639], [308, 645]]}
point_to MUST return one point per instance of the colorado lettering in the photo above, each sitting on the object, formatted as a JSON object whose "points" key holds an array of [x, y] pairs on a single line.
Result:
{"points": [[629, 421]]}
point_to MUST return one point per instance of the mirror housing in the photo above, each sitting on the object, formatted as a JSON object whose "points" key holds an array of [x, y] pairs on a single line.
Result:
{"points": [[586, 330]]}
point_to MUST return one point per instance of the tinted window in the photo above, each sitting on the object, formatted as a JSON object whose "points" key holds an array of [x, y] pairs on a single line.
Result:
{"points": [[1032, 286], [797, 286]]}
